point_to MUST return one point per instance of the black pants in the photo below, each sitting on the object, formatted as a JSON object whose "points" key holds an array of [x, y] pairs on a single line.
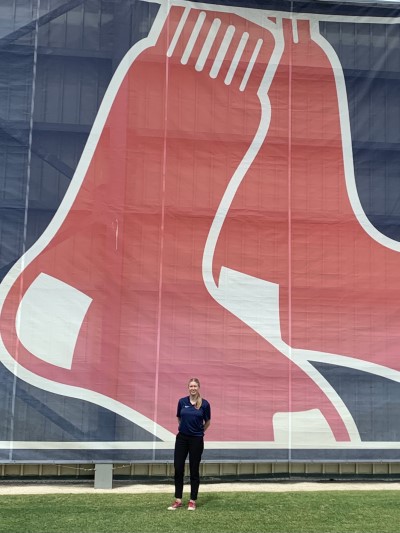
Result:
{"points": [[194, 446]]}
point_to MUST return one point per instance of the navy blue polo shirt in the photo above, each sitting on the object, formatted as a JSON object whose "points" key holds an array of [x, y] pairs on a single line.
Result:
{"points": [[192, 419]]}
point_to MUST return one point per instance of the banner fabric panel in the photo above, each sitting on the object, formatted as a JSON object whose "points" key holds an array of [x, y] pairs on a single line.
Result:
{"points": [[200, 190]]}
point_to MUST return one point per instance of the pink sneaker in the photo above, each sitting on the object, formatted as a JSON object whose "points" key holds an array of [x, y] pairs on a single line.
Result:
{"points": [[175, 506], [191, 506]]}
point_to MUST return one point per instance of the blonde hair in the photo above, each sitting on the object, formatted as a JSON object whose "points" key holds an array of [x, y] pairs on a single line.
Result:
{"points": [[199, 400]]}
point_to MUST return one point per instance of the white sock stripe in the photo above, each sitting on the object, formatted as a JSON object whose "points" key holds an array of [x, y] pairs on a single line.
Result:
{"points": [[236, 58], [178, 31], [193, 38], [223, 49], [208, 44], [226, 41], [251, 65], [295, 31]]}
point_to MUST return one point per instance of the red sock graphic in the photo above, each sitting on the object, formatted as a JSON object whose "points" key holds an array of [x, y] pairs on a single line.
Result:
{"points": [[132, 243], [344, 282], [292, 211]]}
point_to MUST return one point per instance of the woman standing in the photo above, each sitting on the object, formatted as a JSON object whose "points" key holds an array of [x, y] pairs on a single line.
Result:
{"points": [[194, 415]]}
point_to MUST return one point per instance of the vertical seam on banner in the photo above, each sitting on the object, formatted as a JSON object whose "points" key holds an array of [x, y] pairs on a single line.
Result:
{"points": [[26, 207], [160, 273], [290, 236]]}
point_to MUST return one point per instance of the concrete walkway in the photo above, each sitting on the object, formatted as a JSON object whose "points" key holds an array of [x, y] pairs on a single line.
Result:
{"points": [[8, 488]]}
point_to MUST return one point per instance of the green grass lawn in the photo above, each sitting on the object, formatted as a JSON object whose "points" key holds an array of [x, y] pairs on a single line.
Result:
{"points": [[297, 512]]}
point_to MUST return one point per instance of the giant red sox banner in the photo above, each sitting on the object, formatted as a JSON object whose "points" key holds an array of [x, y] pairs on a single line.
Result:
{"points": [[217, 226]]}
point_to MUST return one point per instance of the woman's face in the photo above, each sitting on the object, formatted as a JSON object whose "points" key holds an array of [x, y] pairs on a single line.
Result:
{"points": [[193, 388]]}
